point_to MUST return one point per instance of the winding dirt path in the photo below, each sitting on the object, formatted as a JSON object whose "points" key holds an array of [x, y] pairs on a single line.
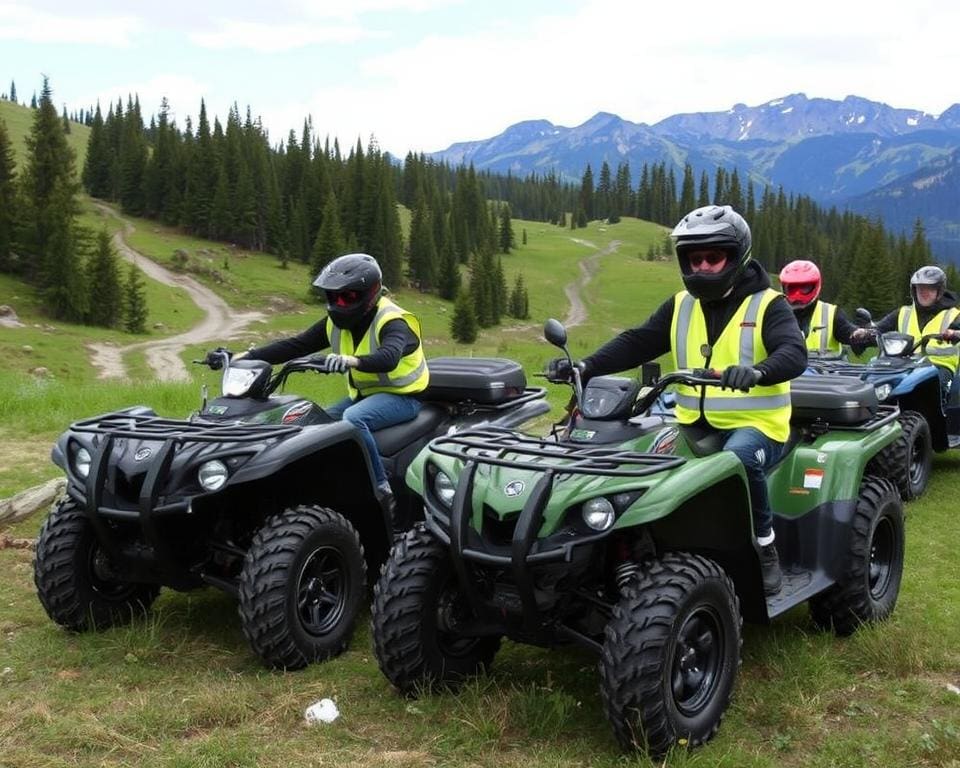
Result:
{"points": [[163, 355], [588, 268]]}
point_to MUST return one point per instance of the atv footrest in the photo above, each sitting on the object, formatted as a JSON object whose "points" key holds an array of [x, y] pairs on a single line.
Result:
{"points": [[798, 585]]}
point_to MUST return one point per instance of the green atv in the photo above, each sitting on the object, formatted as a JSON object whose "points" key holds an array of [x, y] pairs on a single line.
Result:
{"points": [[631, 536]]}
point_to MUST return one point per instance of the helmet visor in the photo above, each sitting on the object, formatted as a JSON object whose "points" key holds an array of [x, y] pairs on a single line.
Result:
{"points": [[800, 293], [346, 298]]}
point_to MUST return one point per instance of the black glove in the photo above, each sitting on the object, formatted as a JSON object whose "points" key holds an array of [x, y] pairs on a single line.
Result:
{"points": [[741, 377], [214, 357], [560, 370]]}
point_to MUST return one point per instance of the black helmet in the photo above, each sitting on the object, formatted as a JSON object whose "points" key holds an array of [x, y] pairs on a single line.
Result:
{"points": [[352, 284], [929, 276], [712, 226]]}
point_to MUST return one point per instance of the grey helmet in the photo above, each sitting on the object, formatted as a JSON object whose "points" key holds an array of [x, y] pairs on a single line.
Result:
{"points": [[712, 226], [930, 275], [352, 284]]}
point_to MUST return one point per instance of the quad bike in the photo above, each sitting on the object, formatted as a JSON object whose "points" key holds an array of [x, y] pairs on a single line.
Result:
{"points": [[903, 374], [631, 536], [261, 495]]}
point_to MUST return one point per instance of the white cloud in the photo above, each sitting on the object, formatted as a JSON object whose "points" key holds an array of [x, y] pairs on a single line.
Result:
{"points": [[272, 38], [20, 22]]}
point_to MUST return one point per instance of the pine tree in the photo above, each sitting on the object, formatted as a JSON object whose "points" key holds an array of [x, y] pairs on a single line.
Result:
{"points": [[49, 191], [8, 201], [96, 168], [498, 292], [133, 161], [13, 92], [134, 302], [103, 278], [480, 293], [463, 324], [329, 242], [519, 302], [507, 238], [449, 266], [524, 238], [421, 251]]}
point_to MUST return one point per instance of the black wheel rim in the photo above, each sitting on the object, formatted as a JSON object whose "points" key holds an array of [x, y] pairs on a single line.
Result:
{"points": [[882, 554], [101, 577], [697, 658], [450, 611], [322, 589], [918, 461]]}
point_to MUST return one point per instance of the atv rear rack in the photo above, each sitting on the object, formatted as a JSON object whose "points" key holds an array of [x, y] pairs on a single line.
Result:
{"points": [[505, 448], [145, 427]]}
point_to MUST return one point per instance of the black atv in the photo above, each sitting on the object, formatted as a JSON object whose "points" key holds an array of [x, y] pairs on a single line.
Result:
{"points": [[259, 494]]}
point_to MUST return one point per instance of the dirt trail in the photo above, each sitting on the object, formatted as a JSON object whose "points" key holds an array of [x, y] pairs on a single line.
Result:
{"points": [[163, 355], [588, 268]]}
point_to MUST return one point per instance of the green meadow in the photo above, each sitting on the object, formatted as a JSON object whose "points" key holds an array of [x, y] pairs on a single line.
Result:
{"points": [[181, 688], [19, 120]]}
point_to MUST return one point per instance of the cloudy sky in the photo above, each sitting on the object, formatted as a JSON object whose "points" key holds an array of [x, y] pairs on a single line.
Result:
{"points": [[422, 74]]}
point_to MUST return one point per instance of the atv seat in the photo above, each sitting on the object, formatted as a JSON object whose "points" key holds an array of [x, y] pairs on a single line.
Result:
{"points": [[832, 399], [392, 440]]}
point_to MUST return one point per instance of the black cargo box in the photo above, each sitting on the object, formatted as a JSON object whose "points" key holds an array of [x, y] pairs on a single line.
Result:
{"points": [[485, 380], [832, 399]]}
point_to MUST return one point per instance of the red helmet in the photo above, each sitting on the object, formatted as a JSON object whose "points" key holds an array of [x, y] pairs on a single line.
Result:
{"points": [[800, 281]]}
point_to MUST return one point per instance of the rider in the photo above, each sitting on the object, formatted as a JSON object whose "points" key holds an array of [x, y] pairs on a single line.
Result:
{"points": [[727, 318], [374, 341], [934, 310], [824, 325]]}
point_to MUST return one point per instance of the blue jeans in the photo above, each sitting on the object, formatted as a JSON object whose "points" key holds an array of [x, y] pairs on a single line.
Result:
{"points": [[757, 453], [372, 413]]}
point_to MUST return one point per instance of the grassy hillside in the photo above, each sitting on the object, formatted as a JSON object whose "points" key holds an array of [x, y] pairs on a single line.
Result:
{"points": [[182, 688], [19, 120]]}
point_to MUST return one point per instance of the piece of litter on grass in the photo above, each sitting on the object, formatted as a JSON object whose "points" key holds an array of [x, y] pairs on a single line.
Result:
{"points": [[413, 709], [9, 671], [323, 711], [953, 689]]}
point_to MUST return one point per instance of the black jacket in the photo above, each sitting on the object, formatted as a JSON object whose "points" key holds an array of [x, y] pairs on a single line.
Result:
{"points": [[396, 341], [786, 347], [924, 314]]}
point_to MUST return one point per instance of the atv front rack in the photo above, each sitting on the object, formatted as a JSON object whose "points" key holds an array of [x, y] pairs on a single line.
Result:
{"points": [[505, 448], [171, 433], [525, 552], [146, 427]]}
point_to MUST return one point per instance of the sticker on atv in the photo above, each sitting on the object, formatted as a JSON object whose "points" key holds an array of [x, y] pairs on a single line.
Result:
{"points": [[666, 441], [813, 478], [295, 412], [582, 434], [217, 410], [514, 488]]}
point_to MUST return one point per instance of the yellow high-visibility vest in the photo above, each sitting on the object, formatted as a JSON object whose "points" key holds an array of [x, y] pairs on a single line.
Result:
{"points": [[410, 375], [940, 352], [820, 336], [766, 408]]}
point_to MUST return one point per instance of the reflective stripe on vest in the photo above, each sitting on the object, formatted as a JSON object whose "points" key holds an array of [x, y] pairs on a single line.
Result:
{"points": [[766, 408], [822, 340], [941, 353], [410, 375]]}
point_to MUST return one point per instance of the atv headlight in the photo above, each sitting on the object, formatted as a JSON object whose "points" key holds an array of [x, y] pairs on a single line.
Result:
{"points": [[444, 488], [237, 381], [599, 514], [883, 391], [896, 345], [212, 475], [81, 462]]}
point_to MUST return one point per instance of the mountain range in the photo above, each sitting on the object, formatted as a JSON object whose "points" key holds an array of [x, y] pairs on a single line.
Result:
{"points": [[899, 164]]}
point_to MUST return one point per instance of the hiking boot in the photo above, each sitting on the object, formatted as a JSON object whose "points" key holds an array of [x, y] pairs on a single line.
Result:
{"points": [[770, 568]]}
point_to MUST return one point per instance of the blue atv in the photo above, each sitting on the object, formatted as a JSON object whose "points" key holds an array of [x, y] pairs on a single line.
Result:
{"points": [[904, 375]]}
